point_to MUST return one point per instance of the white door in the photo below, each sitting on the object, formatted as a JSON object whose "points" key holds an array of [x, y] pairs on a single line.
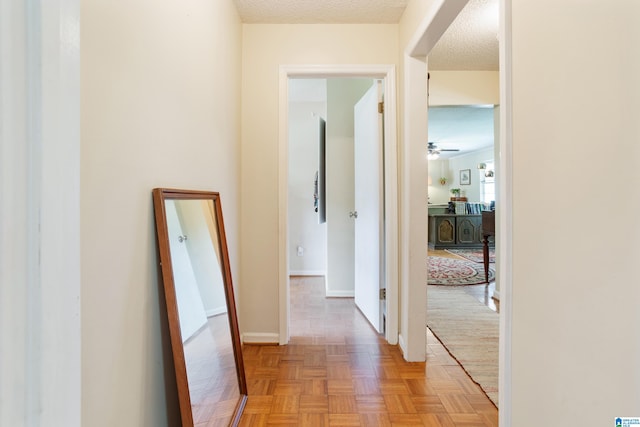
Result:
{"points": [[368, 177]]}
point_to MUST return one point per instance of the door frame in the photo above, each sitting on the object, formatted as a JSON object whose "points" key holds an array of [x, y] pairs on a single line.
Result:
{"points": [[40, 213], [388, 74], [426, 35]]}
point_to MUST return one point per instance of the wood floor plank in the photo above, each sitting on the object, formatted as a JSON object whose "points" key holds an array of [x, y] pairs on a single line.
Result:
{"points": [[258, 404], [315, 386], [340, 386], [342, 404], [253, 420], [399, 404], [258, 386], [344, 420], [456, 404], [314, 420], [428, 404], [288, 387], [371, 403], [283, 420], [314, 404], [366, 385], [437, 420], [397, 386], [337, 371], [375, 420], [285, 404], [405, 420]]}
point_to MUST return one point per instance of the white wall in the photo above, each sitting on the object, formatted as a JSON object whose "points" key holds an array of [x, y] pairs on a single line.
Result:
{"points": [[160, 108], [468, 161], [575, 293], [342, 95], [265, 48], [304, 228], [438, 193]]}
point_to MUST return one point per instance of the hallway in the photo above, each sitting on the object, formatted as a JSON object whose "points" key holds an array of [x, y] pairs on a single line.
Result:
{"points": [[337, 371]]}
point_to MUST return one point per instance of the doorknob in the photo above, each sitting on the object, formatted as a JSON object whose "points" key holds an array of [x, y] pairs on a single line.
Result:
{"points": [[353, 214]]}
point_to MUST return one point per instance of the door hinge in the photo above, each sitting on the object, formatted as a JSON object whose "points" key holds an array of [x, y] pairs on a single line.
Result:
{"points": [[383, 294], [380, 107]]}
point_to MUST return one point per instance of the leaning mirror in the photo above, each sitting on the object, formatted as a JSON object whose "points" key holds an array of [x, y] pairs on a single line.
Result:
{"points": [[201, 311]]}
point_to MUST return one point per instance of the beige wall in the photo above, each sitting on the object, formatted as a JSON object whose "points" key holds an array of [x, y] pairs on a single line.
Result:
{"points": [[265, 48], [464, 88], [576, 342], [160, 108]]}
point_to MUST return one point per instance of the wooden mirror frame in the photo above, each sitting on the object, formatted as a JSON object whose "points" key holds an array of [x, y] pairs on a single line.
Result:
{"points": [[160, 196]]}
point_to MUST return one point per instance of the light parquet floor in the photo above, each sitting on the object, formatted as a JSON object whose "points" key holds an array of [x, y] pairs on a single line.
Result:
{"points": [[337, 371]]}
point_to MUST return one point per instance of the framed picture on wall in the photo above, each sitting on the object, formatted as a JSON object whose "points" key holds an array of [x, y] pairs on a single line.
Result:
{"points": [[465, 177]]}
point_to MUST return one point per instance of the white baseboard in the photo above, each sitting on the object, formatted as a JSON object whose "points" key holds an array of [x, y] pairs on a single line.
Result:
{"points": [[217, 310], [260, 338], [496, 295], [307, 273], [403, 346], [340, 294]]}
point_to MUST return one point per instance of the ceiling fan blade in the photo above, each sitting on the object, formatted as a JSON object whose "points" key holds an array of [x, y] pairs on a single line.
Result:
{"points": [[448, 149]]}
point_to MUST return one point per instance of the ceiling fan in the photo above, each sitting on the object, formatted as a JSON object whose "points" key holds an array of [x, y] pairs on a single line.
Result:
{"points": [[434, 151]]}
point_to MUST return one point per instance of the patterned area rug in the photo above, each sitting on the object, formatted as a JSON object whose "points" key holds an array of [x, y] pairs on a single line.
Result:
{"points": [[456, 272], [469, 330], [474, 255]]}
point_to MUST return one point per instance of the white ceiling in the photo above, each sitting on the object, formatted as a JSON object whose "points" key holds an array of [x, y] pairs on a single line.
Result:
{"points": [[470, 43], [467, 128]]}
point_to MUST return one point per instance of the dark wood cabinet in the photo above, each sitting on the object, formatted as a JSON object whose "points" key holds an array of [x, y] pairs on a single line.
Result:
{"points": [[449, 231]]}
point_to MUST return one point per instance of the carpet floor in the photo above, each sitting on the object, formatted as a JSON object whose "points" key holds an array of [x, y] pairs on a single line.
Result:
{"points": [[470, 333], [456, 272]]}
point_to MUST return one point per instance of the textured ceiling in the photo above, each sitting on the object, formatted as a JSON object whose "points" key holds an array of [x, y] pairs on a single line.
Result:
{"points": [[470, 43], [321, 11]]}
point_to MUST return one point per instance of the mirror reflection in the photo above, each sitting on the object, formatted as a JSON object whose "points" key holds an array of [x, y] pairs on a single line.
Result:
{"points": [[204, 332]]}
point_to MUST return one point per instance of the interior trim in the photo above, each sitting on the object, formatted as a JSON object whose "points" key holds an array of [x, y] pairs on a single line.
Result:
{"points": [[340, 294], [260, 338], [504, 247], [307, 273], [388, 73]]}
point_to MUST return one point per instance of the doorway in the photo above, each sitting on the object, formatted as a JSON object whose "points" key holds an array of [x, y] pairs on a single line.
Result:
{"points": [[501, 158], [337, 231], [387, 75]]}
